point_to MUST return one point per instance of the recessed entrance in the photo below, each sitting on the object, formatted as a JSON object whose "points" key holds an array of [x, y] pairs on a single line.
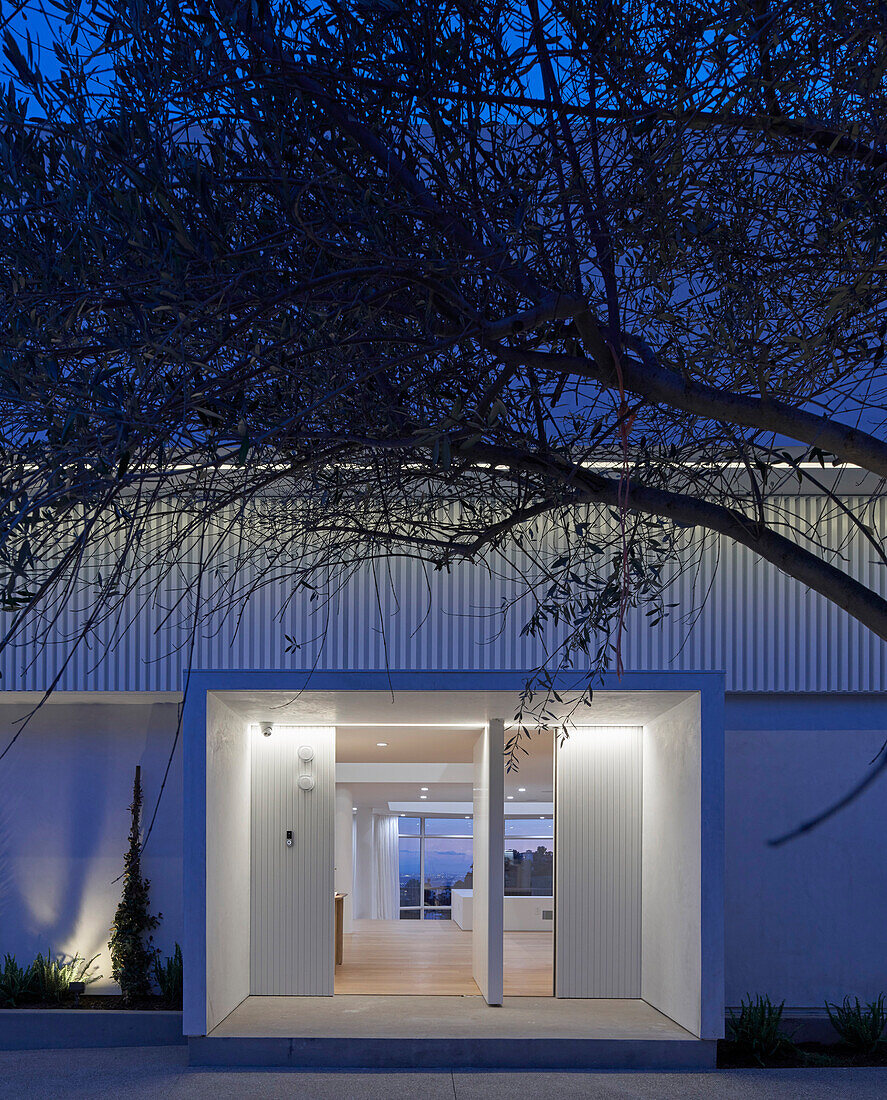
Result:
{"points": [[407, 794], [625, 865]]}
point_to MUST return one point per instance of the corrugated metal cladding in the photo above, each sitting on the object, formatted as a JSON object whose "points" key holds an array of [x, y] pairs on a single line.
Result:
{"points": [[734, 613]]}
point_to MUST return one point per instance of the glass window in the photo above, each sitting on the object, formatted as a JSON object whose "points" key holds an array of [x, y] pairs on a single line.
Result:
{"points": [[529, 826], [448, 863], [408, 826], [529, 869], [448, 826], [437, 856], [410, 870]]}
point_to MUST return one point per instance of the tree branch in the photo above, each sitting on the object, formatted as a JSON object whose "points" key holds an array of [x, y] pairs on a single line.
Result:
{"points": [[650, 380], [790, 558]]}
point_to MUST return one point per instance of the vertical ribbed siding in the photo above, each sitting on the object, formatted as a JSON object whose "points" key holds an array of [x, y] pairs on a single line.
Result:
{"points": [[598, 866], [291, 912], [734, 613]]}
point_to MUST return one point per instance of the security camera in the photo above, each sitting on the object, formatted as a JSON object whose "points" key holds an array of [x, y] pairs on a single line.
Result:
{"points": [[267, 727]]}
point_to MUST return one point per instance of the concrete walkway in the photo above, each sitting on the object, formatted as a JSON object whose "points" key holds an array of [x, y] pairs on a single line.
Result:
{"points": [[161, 1073], [351, 1017]]}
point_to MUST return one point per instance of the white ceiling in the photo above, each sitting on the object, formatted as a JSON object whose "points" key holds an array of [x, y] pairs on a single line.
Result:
{"points": [[406, 744], [535, 771]]}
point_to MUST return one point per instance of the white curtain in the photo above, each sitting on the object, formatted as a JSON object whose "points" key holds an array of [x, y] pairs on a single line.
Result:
{"points": [[386, 877]]}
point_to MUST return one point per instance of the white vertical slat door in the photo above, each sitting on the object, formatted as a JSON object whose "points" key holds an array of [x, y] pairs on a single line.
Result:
{"points": [[598, 862], [488, 881], [291, 908]]}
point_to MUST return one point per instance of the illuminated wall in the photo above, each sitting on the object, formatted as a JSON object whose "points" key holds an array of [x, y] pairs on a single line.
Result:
{"points": [[65, 788]]}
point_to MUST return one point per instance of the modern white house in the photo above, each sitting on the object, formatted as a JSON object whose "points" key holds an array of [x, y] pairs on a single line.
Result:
{"points": [[356, 879]]}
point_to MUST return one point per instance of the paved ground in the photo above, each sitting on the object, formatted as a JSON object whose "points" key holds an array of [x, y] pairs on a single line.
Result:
{"points": [[161, 1073]]}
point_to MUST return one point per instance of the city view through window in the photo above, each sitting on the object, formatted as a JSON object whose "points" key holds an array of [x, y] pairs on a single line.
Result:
{"points": [[436, 856]]}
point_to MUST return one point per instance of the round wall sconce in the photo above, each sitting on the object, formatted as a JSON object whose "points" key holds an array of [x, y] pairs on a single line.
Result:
{"points": [[306, 753], [306, 782]]}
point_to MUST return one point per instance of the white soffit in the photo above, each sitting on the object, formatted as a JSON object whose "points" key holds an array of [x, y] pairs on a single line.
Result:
{"points": [[438, 709]]}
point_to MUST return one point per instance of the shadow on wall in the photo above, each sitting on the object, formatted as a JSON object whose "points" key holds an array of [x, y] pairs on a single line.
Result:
{"points": [[7, 877], [804, 921], [64, 792]]}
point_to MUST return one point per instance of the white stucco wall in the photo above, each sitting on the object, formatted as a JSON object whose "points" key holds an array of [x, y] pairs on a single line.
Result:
{"points": [[671, 924], [805, 921], [65, 789], [227, 861]]}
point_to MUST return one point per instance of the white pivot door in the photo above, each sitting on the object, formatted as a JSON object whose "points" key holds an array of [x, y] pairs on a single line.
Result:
{"points": [[488, 881], [292, 884], [598, 862]]}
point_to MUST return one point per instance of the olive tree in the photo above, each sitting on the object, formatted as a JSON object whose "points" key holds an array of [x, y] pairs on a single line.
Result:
{"points": [[432, 277]]}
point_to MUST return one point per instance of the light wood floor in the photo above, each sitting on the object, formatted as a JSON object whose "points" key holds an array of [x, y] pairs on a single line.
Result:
{"points": [[433, 958]]}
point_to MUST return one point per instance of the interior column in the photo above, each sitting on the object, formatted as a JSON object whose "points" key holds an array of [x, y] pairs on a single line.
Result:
{"points": [[344, 871], [362, 909]]}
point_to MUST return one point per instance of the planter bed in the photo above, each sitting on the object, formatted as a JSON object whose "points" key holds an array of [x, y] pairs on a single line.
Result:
{"points": [[801, 1055], [95, 1002], [101, 1023]]}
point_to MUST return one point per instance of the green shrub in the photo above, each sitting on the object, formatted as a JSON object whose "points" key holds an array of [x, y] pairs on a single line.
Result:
{"points": [[53, 976], [16, 982], [860, 1026], [168, 976], [757, 1029]]}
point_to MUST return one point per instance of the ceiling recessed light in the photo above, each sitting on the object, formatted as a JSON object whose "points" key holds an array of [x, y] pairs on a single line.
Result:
{"points": [[423, 795], [511, 798], [423, 788], [541, 817], [468, 817], [403, 815], [521, 790], [354, 809], [381, 744]]}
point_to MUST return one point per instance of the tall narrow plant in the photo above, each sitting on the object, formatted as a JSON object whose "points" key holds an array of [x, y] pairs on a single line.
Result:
{"points": [[132, 953]]}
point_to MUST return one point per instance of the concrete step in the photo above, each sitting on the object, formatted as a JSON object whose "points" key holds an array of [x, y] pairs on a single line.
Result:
{"points": [[453, 1053]]}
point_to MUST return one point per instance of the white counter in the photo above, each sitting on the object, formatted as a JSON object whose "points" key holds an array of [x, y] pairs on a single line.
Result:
{"points": [[520, 914]]}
